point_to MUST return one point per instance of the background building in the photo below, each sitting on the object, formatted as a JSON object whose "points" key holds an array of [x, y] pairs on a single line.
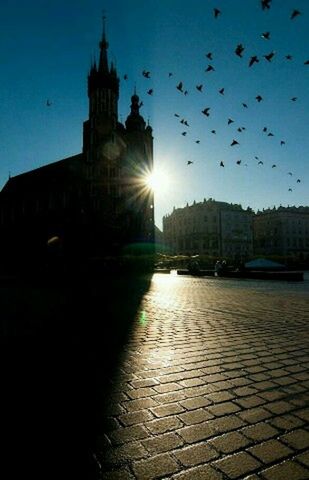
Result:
{"points": [[211, 228], [96, 201], [282, 231]]}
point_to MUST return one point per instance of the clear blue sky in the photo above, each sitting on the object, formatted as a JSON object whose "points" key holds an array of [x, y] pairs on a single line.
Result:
{"points": [[45, 52]]}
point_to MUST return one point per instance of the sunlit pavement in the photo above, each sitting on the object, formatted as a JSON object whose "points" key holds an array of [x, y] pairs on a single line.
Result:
{"points": [[213, 385]]}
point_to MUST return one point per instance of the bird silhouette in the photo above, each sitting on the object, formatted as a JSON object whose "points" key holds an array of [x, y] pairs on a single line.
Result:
{"points": [[294, 14], [270, 134], [245, 105], [213, 131], [282, 142], [298, 180], [210, 68], [294, 99], [176, 115], [253, 59], [290, 173], [184, 133], [288, 57], [273, 166], [239, 129], [185, 92], [199, 87], [260, 162], [230, 120], [146, 74], [197, 141], [209, 55], [221, 91], [170, 75], [269, 56], [180, 87], [125, 77], [206, 111], [290, 190], [266, 35], [234, 142], [221, 164], [265, 129], [217, 12], [256, 158], [48, 103], [189, 162], [150, 91], [238, 162], [239, 50], [265, 4], [306, 62], [259, 98]]}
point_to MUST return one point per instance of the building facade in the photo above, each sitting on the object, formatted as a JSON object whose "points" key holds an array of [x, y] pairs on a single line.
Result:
{"points": [[282, 231], [96, 200], [211, 228]]}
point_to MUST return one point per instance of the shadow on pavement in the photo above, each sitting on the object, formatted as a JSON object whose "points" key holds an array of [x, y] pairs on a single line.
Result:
{"points": [[60, 340]]}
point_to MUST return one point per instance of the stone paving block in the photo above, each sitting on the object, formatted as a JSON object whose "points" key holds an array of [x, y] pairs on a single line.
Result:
{"points": [[260, 431], [163, 425], [193, 403], [195, 454], [225, 408], [166, 410], [303, 458], [141, 392], [134, 405], [147, 382], [167, 387], [270, 451], [195, 433], [195, 416], [254, 415], [250, 402], [286, 422], [298, 439], [124, 453], [303, 414], [162, 443], [288, 470], [203, 472], [156, 466], [119, 474], [128, 434], [237, 465], [230, 442], [133, 418], [219, 397]]}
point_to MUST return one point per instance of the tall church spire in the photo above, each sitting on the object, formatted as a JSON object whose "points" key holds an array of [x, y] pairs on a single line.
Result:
{"points": [[103, 64]]}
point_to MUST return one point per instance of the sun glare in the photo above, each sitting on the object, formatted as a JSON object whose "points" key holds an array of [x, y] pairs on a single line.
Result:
{"points": [[157, 181]]}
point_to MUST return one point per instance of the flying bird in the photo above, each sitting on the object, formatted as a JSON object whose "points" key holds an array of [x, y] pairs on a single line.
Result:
{"points": [[294, 14], [221, 91], [234, 142], [245, 105], [282, 142], [184, 133], [294, 99], [238, 162], [230, 121], [259, 98], [210, 68], [256, 158], [260, 162], [221, 164], [146, 74], [170, 75], [253, 59], [217, 12], [197, 141], [206, 111], [125, 77], [199, 87], [290, 173], [180, 87], [176, 115], [185, 92], [270, 134], [213, 131], [269, 56], [273, 166], [306, 62], [150, 91], [189, 162], [265, 4], [48, 103], [266, 35], [298, 180], [265, 129], [239, 50], [290, 190], [209, 55], [288, 57]]}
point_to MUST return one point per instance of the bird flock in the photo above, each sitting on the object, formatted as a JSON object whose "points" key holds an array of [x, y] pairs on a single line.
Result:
{"points": [[240, 50]]}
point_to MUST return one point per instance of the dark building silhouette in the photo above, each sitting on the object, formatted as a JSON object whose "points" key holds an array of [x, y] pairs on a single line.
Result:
{"points": [[95, 202]]}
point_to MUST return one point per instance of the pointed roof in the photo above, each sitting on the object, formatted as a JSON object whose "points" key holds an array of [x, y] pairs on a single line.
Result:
{"points": [[135, 121], [103, 63]]}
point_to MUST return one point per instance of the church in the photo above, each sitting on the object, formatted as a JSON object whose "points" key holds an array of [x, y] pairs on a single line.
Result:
{"points": [[96, 202]]}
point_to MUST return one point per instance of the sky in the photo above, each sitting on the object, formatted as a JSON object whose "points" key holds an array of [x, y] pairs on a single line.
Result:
{"points": [[46, 49]]}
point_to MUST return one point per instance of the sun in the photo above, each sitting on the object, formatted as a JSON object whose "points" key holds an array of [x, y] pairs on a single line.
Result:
{"points": [[157, 181]]}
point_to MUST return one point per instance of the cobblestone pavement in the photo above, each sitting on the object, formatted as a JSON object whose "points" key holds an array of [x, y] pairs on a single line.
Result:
{"points": [[213, 385]]}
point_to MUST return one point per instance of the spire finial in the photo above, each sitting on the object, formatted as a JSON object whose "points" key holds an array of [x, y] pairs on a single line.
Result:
{"points": [[103, 65]]}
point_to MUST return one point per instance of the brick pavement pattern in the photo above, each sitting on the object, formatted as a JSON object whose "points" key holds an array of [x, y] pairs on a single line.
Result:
{"points": [[213, 385]]}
